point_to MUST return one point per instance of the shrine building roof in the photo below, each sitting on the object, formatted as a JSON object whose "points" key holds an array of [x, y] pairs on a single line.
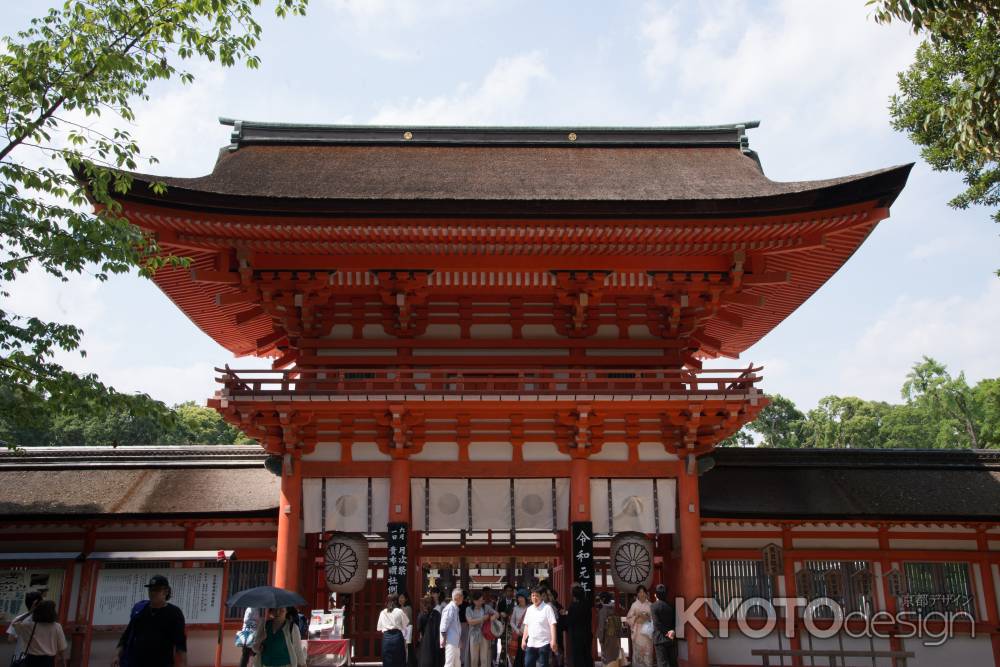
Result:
{"points": [[588, 171], [483, 205]]}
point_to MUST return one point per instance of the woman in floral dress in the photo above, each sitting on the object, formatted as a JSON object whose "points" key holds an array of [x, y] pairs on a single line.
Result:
{"points": [[642, 643]]}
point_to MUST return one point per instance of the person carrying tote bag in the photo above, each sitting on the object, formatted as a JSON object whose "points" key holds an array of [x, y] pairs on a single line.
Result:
{"points": [[45, 644]]}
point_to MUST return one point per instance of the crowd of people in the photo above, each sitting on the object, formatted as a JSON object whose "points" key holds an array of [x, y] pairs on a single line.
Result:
{"points": [[512, 629], [522, 629]]}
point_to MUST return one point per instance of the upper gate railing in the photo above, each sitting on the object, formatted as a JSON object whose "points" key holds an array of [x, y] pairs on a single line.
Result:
{"points": [[485, 382]]}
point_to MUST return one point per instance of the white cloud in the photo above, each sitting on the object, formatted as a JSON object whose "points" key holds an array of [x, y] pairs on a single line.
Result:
{"points": [[958, 331], [812, 66], [496, 99], [372, 13], [936, 247], [38, 294], [660, 33]]}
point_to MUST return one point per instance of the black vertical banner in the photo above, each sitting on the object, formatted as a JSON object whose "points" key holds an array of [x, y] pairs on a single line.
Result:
{"points": [[583, 556], [399, 559]]}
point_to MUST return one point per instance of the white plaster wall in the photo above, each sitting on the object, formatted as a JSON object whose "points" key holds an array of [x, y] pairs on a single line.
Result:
{"points": [[543, 451], [958, 545], [834, 543], [849, 644], [735, 649], [325, 451], [611, 451], [437, 451], [956, 652], [654, 451], [490, 451], [368, 451]]}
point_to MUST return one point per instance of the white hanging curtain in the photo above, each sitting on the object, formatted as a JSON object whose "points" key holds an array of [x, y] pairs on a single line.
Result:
{"points": [[641, 505], [666, 495], [491, 504], [349, 504], [418, 518], [446, 503], [632, 505], [449, 504], [533, 508]]}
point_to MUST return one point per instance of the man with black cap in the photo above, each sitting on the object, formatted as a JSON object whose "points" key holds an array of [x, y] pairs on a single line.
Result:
{"points": [[664, 622], [155, 635]]}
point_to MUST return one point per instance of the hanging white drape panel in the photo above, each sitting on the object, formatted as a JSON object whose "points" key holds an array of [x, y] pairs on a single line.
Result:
{"points": [[489, 504], [641, 505], [533, 509], [349, 504]]}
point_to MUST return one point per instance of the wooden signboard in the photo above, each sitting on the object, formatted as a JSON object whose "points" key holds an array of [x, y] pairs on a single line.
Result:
{"points": [[197, 591]]}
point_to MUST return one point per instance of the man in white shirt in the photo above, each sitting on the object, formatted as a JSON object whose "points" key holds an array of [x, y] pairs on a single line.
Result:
{"points": [[451, 630], [539, 638]]}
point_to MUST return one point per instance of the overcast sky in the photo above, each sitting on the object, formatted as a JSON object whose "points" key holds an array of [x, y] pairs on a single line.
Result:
{"points": [[817, 75]]}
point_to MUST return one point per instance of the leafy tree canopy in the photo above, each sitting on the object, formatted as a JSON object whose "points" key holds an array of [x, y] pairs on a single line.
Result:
{"points": [[74, 70], [77, 425], [949, 98], [939, 412]]}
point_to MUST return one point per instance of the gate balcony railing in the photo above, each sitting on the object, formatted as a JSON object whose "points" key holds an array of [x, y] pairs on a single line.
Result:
{"points": [[486, 382]]}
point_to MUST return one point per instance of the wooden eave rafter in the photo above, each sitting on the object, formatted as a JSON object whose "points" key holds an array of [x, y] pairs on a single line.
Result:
{"points": [[782, 260]]}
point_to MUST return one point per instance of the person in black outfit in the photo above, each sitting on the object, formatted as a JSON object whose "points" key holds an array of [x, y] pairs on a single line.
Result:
{"points": [[155, 635], [664, 624], [505, 607], [578, 625], [429, 651]]}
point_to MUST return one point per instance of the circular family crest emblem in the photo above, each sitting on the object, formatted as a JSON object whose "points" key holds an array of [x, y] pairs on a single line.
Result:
{"points": [[346, 562], [631, 561]]}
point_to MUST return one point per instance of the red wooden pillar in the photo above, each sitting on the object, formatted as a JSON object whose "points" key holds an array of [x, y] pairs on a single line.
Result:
{"points": [[787, 544], [286, 562], [895, 643], [692, 566], [579, 489], [989, 591], [399, 490]]}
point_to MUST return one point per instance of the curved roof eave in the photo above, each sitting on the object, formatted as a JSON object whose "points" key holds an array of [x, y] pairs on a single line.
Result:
{"points": [[882, 186]]}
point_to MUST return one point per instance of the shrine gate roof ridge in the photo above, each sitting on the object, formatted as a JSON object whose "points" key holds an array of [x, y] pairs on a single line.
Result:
{"points": [[247, 132]]}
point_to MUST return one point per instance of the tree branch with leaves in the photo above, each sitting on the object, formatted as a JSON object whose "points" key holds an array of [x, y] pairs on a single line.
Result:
{"points": [[79, 65], [949, 98]]}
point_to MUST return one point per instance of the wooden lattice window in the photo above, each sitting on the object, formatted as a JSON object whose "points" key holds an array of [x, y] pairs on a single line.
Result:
{"points": [[938, 587], [244, 574], [848, 582], [740, 580]]}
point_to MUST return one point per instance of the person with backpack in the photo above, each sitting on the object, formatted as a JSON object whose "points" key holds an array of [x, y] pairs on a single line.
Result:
{"points": [[44, 640], [155, 635]]}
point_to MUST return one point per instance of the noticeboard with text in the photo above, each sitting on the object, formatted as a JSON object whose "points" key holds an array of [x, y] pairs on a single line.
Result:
{"points": [[197, 591], [398, 560]]}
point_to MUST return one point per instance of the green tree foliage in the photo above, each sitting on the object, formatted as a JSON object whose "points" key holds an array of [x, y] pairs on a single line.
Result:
{"points": [[949, 401], [779, 424], [949, 98], [186, 424], [940, 412], [74, 70]]}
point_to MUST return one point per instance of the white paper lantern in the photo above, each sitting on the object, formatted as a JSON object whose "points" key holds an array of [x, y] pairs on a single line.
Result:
{"points": [[631, 561], [346, 561]]}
